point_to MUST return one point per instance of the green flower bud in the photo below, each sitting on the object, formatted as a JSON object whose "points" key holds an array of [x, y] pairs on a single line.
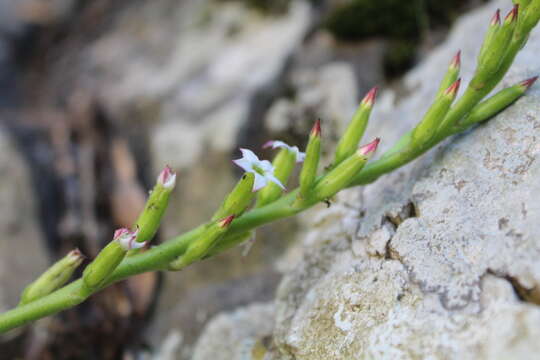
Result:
{"points": [[489, 38], [522, 3], [451, 74], [229, 241], [308, 174], [498, 102], [239, 198], [531, 16], [53, 278], [150, 219], [351, 138], [427, 128], [202, 246], [342, 175], [495, 48], [95, 274]]}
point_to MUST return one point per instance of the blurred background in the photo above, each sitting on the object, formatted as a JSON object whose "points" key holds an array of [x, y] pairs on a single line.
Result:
{"points": [[97, 96]]}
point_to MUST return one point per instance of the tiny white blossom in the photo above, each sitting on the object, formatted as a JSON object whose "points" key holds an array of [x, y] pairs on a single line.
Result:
{"points": [[274, 144], [126, 239], [262, 169]]}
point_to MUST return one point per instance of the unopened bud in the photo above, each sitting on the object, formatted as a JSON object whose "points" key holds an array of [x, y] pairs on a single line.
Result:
{"points": [[351, 138], [238, 199], [53, 278], [167, 178], [308, 174], [528, 83], [369, 149]]}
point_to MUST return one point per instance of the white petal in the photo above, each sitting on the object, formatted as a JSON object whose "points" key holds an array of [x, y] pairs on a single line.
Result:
{"points": [[266, 166], [275, 180], [280, 144], [260, 182], [300, 156], [244, 164], [249, 155]]}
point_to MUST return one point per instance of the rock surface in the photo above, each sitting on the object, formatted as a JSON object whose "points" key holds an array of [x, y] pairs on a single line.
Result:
{"points": [[438, 260], [22, 253]]}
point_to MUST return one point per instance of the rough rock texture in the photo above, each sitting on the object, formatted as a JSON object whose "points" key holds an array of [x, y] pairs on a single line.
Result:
{"points": [[438, 260], [253, 324]]}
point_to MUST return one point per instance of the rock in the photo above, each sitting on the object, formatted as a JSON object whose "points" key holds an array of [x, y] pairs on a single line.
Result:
{"points": [[240, 334], [21, 246], [199, 66], [458, 273], [438, 260]]}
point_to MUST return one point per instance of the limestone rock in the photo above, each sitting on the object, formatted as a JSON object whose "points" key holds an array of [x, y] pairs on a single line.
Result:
{"points": [[443, 260], [240, 334]]}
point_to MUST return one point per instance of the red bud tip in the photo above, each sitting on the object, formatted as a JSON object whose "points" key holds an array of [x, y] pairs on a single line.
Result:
{"points": [[226, 222], [453, 89], [456, 61], [496, 19], [512, 15], [369, 149], [316, 130], [167, 177], [369, 99], [529, 82]]}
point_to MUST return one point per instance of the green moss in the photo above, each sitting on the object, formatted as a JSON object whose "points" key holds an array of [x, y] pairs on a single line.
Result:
{"points": [[363, 18], [399, 57], [266, 6]]}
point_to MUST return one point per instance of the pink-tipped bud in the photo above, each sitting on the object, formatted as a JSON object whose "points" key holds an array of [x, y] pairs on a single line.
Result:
{"points": [[126, 239], [453, 89], [316, 130], [167, 178], [528, 83], [226, 222], [369, 149], [496, 19], [369, 99], [512, 15], [456, 61]]}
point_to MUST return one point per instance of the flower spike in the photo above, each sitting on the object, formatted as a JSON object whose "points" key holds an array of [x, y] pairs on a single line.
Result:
{"points": [[262, 169]]}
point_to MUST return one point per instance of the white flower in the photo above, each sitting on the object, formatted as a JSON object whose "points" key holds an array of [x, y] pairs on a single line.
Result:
{"points": [[274, 144], [127, 239], [262, 169]]}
